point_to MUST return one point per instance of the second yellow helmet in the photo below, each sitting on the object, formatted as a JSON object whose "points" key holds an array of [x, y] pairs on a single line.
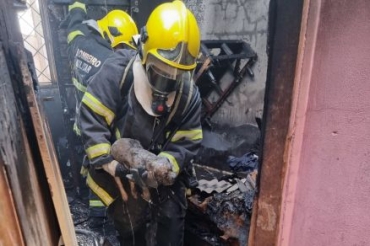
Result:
{"points": [[119, 27]]}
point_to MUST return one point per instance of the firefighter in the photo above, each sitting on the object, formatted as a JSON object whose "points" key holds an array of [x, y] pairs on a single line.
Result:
{"points": [[90, 43], [148, 96]]}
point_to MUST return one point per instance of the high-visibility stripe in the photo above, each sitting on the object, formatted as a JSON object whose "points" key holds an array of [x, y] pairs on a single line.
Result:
{"points": [[78, 85], [95, 105], [84, 171], [98, 150], [72, 35], [118, 134], [96, 203], [76, 129], [188, 134], [77, 5], [171, 158], [102, 194]]}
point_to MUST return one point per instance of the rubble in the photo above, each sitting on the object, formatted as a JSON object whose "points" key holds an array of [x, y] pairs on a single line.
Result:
{"points": [[91, 231], [220, 208], [213, 185]]}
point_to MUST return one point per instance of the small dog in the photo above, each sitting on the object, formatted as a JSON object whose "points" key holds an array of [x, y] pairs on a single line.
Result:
{"points": [[130, 153]]}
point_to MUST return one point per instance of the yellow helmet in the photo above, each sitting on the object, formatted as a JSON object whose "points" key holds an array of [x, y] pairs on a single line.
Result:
{"points": [[119, 27], [172, 36]]}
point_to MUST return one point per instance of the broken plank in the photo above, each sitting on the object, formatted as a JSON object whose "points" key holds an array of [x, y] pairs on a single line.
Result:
{"points": [[11, 233], [18, 165], [48, 156]]}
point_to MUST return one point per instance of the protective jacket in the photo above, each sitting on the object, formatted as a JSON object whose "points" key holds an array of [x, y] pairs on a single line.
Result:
{"points": [[87, 49], [110, 110]]}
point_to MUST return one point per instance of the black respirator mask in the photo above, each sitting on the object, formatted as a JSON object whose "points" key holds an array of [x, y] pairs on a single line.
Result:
{"points": [[159, 103], [162, 85]]}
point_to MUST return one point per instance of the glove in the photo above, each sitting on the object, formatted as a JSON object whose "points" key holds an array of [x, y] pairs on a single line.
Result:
{"points": [[64, 23], [116, 169], [142, 178]]}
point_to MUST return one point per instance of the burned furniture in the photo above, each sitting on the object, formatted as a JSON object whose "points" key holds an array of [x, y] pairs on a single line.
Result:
{"points": [[217, 58]]}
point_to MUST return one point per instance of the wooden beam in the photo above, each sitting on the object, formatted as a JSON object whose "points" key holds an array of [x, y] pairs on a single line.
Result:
{"points": [[48, 156], [11, 233], [19, 168], [284, 30], [24, 187]]}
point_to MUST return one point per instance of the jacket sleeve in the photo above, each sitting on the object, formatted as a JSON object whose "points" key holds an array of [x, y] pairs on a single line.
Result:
{"points": [[99, 107], [76, 15], [185, 143]]}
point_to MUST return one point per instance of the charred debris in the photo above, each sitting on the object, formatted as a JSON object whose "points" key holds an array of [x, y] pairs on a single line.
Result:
{"points": [[220, 206]]}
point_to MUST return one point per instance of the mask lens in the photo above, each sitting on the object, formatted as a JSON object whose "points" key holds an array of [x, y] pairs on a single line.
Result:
{"points": [[161, 82]]}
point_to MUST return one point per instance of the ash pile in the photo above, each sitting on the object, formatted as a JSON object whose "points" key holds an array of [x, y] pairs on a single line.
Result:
{"points": [[220, 207], [91, 231]]}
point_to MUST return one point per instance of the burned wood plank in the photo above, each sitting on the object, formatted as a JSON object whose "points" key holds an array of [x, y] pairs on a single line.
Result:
{"points": [[11, 233], [19, 166], [48, 156]]}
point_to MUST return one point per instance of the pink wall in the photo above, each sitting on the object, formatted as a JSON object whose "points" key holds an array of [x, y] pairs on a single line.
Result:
{"points": [[326, 198]]}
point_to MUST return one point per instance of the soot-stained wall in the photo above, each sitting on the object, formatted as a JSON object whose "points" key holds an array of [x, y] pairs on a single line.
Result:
{"points": [[235, 129], [245, 20]]}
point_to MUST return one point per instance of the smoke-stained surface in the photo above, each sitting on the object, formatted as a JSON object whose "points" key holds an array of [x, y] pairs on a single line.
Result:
{"points": [[234, 129], [245, 20]]}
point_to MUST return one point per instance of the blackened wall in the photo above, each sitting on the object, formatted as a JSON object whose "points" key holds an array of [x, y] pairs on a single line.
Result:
{"points": [[234, 129], [238, 19]]}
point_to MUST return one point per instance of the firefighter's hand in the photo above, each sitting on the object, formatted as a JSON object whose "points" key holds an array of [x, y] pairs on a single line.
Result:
{"points": [[142, 177], [116, 169]]}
